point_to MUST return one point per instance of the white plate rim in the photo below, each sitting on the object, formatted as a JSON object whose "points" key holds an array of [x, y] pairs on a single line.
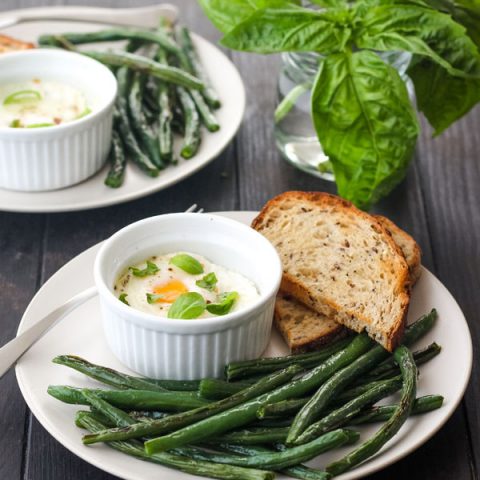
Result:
{"points": [[374, 465], [59, 198]]}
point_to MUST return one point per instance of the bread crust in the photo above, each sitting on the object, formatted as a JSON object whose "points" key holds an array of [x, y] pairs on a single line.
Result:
{"points": [[349, 318], [10, 44]]}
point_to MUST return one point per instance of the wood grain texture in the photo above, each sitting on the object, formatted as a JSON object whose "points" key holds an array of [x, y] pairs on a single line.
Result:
{"points": [[437, 204]]}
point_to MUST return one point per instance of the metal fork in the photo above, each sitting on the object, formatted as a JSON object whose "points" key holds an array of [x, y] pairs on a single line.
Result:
{"points": [[15, 348]]}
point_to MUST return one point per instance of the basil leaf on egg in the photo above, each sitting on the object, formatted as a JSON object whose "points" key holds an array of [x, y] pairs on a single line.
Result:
{"points": [[154, 297], [187, 306], [187, 263], [123, 298], [150, 269], [209, 281], [224, 304]]}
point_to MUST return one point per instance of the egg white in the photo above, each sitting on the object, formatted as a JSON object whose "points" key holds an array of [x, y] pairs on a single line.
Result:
{"points": [[136, 288]]}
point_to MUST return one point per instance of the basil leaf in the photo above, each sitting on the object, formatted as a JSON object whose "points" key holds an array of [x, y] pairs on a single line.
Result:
{"points": [[187, 306], [187, 263], [421, 31], [224, 304], [123, 298], [209, 281], [441, 97], [365, 123], [150, 269], [154, 297], [226, 14], [278, 30]]}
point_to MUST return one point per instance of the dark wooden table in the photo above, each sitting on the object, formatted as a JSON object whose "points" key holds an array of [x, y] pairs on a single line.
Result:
{"points": [[438, 203]]}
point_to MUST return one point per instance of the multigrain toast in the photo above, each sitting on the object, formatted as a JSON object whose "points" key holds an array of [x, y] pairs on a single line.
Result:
{"points": [[339, 261], [304, 329]]}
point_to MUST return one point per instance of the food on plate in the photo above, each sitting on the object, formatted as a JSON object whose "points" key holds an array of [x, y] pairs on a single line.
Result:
{"points": [[339, 261], [37, 103], [185, 286], [304, 329], [248, 430], [10, 44], [163, 90]]}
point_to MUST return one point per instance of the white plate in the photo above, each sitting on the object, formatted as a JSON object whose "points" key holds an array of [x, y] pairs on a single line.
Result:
{"points": [[81, 334], [92, 193]]}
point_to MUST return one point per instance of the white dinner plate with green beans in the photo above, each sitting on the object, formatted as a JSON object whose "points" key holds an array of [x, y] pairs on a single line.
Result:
{"points": [[81, 334], [93, 193]]}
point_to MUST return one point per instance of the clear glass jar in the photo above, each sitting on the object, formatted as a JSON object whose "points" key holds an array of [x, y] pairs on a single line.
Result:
{"points": [[294, 133]]}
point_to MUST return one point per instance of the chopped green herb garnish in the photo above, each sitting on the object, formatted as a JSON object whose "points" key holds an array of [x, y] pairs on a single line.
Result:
{"points": [[209, 281], [84, 113], [41, 125], [187, 306], [150, 269], [224, 303], [15, 123], [187, 263], [123, 298], [154, 297], [23, 96]]}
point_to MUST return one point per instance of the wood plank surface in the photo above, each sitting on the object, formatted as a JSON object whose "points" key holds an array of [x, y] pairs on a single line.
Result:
{"points": [[437, 203]]}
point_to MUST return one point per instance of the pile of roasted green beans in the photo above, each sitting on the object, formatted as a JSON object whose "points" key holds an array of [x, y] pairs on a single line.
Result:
{"points": [[267, 415], [162, 90]]}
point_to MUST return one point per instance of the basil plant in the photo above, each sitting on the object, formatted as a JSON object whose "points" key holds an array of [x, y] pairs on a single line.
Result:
{"points": [[360, 107]]}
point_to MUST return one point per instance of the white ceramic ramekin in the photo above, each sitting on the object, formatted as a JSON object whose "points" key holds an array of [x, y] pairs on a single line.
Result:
{"points": [[49, 158], [188, 349]]}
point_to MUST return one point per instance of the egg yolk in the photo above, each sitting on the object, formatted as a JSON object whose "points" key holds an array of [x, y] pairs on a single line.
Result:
{"points": [[170, 290]]}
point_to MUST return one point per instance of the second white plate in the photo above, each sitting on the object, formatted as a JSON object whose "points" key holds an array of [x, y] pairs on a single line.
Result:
{"points": [[81, 334], [92, 193]]}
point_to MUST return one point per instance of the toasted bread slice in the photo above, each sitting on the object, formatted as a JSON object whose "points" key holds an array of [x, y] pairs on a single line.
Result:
{"points": [[10, 44], [304, 329], [410, 249], [339, 261]]}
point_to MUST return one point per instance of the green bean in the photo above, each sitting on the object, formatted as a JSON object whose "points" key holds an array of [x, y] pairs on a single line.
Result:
{"points": [[192, 138], [165, 135], [383, 413], [183, 464], [106, 375], [196, 67], [177, 385], [174, 422], [408, 368], [132, 399], [147, 67], [357, 390], [282, 459], [285, 407], [114, 415], [297, 471], [207, 116], [111, 35], [342, 415], [254, 436], [334, 385], [146, 137], [117, 161], [123, 122], [262, 366], [215, 389], [246, 412], [388, 367]]}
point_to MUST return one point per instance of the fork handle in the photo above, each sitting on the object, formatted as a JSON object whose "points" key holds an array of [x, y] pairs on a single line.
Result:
{"points": [[15, 348], [146, 17]]}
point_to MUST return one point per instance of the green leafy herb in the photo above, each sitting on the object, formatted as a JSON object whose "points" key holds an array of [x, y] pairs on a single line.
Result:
{"points": [[365, 123], [123, 298], [16, 123], [154, 297], [224, 303], [187, 306], [209, 281], [40, 125], [150, 269], [22, 96], [187, 263], [360, 107]]}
